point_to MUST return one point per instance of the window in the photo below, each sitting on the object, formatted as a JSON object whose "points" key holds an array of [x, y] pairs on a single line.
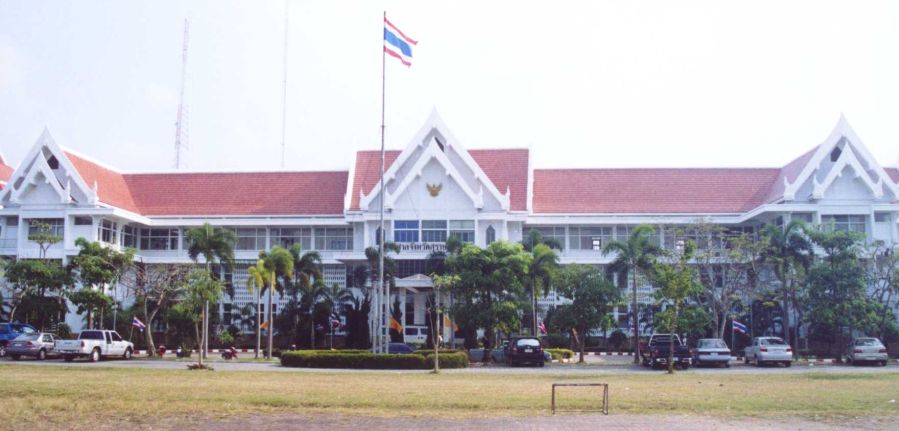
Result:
{"points": [[491, 235], [463, 229], [226, 314], [250, 238], [334, 238], [433, 231], [12, 221], [54, 227], [835, 154], [549, 232], [107, 231], [274, 309], [288, 236], [806, 217], [881, 217], [405, 231], [115, 336], [589, 237], [158, 239], [407, 267], [848, 223], [410, 311], [83, 221], [129, 236]]}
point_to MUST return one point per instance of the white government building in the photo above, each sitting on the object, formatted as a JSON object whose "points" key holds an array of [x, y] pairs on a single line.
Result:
{"points": [[435, 187]]}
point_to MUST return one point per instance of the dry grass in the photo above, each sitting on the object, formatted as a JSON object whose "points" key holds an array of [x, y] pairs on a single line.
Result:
{"points": [[79, 396]]}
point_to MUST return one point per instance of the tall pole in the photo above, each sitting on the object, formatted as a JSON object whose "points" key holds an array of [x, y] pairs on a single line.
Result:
{"points": [[381, 287], [180, 126], [284, 88]]}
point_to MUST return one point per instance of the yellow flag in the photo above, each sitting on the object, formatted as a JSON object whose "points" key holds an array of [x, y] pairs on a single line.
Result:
{"points": [[448, 322], [264, 325]]}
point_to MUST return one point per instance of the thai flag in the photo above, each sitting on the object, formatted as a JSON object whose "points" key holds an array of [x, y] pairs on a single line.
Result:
{"points": [[542, 328], [135, 322], [739, 327], [397, 44]]}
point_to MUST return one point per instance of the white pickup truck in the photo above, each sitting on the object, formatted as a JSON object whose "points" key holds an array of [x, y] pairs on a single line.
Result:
{"points": [[95, 344]]}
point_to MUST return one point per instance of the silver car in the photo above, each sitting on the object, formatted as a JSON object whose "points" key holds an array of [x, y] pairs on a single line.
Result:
{"points": [[769, 350], [866, 349], [40, 345], [711, 351]]}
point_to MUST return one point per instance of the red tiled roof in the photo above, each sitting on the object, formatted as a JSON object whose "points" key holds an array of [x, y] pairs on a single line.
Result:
{"points": [[507, 168], [241, 193], [250, 193], [636, 191], [5, 171]]}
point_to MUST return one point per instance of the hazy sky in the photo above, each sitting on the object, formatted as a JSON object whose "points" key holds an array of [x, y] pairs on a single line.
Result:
{"points": [[584, 84]]}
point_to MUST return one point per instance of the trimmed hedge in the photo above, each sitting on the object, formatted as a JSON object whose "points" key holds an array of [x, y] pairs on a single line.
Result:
{"points": [[448, 360], [560, 353], [442, 351], [366, 360], [328, 359]]}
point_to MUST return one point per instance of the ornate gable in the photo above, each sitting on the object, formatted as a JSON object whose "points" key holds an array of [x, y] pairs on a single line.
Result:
{"points": [[840, 164], [434, 153], [46, 169]]}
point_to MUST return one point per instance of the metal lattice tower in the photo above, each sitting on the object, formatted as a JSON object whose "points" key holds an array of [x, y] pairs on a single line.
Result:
{"points": [[181, 124]]}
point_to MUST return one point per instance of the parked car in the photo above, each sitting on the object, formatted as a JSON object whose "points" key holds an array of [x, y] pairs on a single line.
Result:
{"points": [[39, 344], [711, 351], [866, 349], [524, 350], [95, 344], [656, 353], [10, 331], [771, 350]]}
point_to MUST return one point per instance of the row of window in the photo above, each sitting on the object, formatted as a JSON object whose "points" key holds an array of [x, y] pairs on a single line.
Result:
{"points": [[435, 231]]}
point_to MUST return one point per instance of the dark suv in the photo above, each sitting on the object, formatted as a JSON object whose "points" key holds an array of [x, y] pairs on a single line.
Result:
{"points": [[523, 350]]}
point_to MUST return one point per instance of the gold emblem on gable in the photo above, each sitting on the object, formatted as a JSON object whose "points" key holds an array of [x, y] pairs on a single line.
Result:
{"points": [[434, 189]]}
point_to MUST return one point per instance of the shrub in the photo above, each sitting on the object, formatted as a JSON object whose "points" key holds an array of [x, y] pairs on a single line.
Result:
{"points": [[452, 359], [64, 331], [329, 359], [617, 339], [560, 353]]}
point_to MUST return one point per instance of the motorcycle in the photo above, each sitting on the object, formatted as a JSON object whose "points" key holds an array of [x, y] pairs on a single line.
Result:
{"points": [[229, 354]]}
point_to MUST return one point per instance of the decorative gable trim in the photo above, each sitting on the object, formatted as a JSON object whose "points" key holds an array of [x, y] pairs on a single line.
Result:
{"points": [[847, 159], [840, 131], [434, 122], [35, 158], [433, 153], [39, 167]]}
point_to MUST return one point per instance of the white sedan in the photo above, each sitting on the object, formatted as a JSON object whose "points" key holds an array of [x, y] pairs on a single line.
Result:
{"points": [[866, 349], [770, 350]]}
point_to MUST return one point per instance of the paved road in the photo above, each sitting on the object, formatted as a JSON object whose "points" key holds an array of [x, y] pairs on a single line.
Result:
{"points": [[592, 367]]}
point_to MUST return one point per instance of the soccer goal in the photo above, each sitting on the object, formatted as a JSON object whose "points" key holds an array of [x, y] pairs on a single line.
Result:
{"points": [[605, 397]]}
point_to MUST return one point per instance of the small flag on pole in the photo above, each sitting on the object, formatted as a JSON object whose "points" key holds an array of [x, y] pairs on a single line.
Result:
{"points": [[395, 325], [739, 327], [135, 322], [542, 328], [264, 325], [397, 44], [335, 323]]}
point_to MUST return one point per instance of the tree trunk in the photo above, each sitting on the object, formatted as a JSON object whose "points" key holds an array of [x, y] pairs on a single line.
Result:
{"points": [[582, 344], [258, 326], [271, 325], [197, 331], [312, 325], [636, 321], [151, 347], [488, 343], [721, 324], [534, 306]]}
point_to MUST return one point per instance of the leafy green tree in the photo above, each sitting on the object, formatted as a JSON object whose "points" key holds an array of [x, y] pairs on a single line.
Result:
{"points": [[836, 286], [92, 302], [215, 245], [357, 310], [99, 266], [491, 282], [788, 254], [257, 282], [675, 281], [544, 263], [31, 280], [42, 233], [636, 254], [278, 263], [882, 274], [592, 296], [201, 289]]}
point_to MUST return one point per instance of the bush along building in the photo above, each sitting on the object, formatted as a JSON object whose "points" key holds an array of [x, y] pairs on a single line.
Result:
{"points": [[434, 188]]}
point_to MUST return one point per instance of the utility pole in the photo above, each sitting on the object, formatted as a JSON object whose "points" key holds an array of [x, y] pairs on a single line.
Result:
{"points": [[284, 87], [181, 130]]}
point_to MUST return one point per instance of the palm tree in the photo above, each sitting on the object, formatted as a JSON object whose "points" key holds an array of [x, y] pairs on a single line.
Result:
{"points": [[213, 244], [787, 250], [635, 254], [544, 264], [277, 262], [257, 283]]}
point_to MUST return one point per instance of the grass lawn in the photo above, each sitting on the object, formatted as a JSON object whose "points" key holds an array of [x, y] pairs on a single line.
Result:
{"points": [[78, 396]]}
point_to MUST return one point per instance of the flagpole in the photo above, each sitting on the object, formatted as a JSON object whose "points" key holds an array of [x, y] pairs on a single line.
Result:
{"points": [[381, 289]]}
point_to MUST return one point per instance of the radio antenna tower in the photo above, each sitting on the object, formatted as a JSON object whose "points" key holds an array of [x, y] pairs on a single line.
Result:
{"points": [[181, 129], [284, 88]]}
